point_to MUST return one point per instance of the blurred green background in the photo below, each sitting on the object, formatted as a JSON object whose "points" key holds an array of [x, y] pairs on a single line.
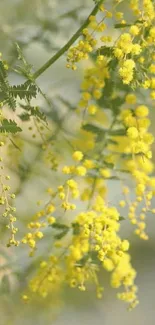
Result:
{"points": [[41, 27]]}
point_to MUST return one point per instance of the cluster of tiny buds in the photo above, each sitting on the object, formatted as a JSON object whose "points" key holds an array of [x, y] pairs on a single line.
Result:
{"points": [[8, 210]]}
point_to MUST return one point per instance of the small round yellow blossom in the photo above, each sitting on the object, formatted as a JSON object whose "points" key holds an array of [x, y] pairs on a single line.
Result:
{"points": [[122, 203], [86, 96], [109, 14], [152, 68], [85, 31], [77, 155], [106, 39], [141, 111], [141, 59], [125, 43], [134, 30], [140, 189], [119, 15], [81, 170], [101, 27], [130, 99], [97, 94], [136, 49], [43, 264], [32, 243], [146, 84], [50, 208], [99, 292], [62, 195], [88, 164], [152, 94], [118, 53], [66, 170], [39, 234], [108, 265], [105, 172], [51, 220], [92, 18], [92, 109], [75, 193], [50, 191], [152, 83], [72, 184], [132, 132], [25, 298], [125, 245]]}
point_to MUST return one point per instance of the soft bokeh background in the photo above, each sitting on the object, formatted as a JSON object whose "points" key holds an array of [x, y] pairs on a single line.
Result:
{"points": [[41, 27]]}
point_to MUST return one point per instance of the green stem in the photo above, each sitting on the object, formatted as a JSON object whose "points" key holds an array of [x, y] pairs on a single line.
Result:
{"points": [[56, 56]]}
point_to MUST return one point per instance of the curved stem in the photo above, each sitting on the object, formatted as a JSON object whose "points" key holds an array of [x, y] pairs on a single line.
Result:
{"points": [[56, 56]]}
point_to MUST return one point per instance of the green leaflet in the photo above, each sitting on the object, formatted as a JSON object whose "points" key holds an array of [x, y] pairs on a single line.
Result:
{"points": [[32, 111], [9, 126], [23, 91], [9, 94], [60, 227], [92, 255], [118, 132], [122, 25], [61, 234], [121, 218], [106, 50], [76, 228], [94, 129], [4, 88], [101, 131], [35, 111], [108, 165], [24, 116]]}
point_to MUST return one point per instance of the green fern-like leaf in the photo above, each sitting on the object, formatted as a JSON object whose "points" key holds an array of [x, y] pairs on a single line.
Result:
{"points": [[9, 126], [3, 73], [24, 91], [32, 111], [9, 94], [35, 111], [4, 84], [11, 102], [24, 116]]}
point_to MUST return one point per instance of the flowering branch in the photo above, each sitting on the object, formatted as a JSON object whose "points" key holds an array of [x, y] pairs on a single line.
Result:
{"points": [[56, 56]]}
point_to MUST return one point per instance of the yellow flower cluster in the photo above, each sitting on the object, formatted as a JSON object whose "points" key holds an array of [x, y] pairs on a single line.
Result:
{"points": [[41, 220], [94, 243], [91, 240], [137, 124], [93, 84], [89, 42], [132, 43], [125, 47], [138, 145], [49, 279], [126, 71], [98, 237], [84, 47], [64, 192]]}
